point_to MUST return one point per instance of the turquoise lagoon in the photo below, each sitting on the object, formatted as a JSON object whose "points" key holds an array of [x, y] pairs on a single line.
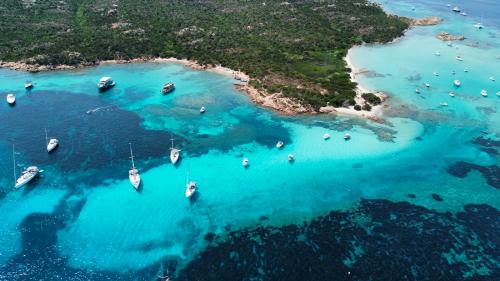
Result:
{"points": [[96, 222]]}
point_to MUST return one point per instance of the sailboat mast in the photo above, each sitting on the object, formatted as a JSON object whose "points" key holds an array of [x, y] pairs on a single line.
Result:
{"points": [[172, 139], [131, 156], [14, 161], [46, 137]]}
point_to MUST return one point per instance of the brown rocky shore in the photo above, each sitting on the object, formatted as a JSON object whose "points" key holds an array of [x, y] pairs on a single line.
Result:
{"points": [[433, 20]]}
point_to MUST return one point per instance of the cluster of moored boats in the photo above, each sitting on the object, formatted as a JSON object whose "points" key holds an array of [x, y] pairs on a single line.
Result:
{"points": [[457, 83], [457, 10]]}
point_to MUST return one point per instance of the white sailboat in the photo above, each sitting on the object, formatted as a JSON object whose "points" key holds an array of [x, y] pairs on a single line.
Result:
{"points": [[190, 187], [279, 145], [133, 173], [245, 162], [11, 99], [484, 93], [174, 153], [457, 83], [52, 143], [26, 176], [202, 109]]}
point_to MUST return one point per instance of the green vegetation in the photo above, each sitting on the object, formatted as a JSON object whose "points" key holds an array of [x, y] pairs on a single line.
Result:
{"points": [[371, 98], [294, 47]]}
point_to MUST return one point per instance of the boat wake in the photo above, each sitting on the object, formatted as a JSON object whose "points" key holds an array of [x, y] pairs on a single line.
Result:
{"points": [[102, 108]]}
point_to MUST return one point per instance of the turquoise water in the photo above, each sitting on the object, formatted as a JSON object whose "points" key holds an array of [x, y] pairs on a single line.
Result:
{"points": [[103, 225]]}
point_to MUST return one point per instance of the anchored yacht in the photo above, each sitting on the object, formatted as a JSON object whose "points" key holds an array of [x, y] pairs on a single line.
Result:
{"points": [[174, 153], [105, 83], [279, 145], [457, 83], [26, 176], [133, 173], [347, 136], [202, 109], [167, 88], [245, 162], [11, 99], [51, 144], [484, 93], [190, 189], [326, 136], [456, 9], [291, 158]]}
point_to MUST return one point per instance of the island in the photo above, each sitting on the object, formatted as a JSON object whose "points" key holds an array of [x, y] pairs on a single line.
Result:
{"points": [[291, 51]]}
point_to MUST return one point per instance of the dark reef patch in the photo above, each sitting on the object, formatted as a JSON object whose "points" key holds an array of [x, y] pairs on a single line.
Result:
{"points": [[412, 196], [487, 145], [491, 173], [378, 240], [437, 197]]}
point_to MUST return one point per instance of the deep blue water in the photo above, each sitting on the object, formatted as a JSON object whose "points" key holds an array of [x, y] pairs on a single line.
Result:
{"points": [[82, 220]]}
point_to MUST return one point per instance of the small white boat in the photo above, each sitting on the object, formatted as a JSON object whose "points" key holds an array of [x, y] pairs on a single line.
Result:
{"points": [[245, 162], [168, 88], [456, 9], [427, 85], [279, 144], [291, 158], [437, 53], [11, 99], [174, 153], [478, 25], [28, 85], [492, 78], [417, 90], [463, 14], [459, 58], [449, 44], [190, 189], [484, 93], [51, 143], [444, 104], [326, 136], [452, 94], [453, 72], [26, 176], [133, 173], [457, 83], [105, 83], [347, 136], [435, 73], [466, 70], [498, 94], [202, 109]]}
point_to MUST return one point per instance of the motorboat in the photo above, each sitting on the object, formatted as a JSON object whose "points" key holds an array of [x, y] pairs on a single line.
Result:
{"points": [[466, 70], [245, 162], [492, 78], [427, 85], [478, 25], [498, 94], [279, 145], [28, 85], [456, 9], [463, 14], [444, 104], [291, 158], [51, 143], [168, 88], [417, 90], [484, 93], [347, 136], [459, 58], [190, 189], [174, 153], [437, 53], [435, 73], [457, 83], [452, 94], [133, 173], [326, 136], [105, 83], [11, 99], [202, 109]]}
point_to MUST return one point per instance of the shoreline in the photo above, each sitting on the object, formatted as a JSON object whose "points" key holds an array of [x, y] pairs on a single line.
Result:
{"points": [[275, 101]]}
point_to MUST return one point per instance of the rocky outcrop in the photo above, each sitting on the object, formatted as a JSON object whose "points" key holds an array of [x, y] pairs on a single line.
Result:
{"points": [[445, 36], [426, 21]]}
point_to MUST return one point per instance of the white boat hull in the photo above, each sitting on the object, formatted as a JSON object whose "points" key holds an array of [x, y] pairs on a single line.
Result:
{"points": [[174, 155], [23, 180], [52, 145], [11, 99], [135, 178]]}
